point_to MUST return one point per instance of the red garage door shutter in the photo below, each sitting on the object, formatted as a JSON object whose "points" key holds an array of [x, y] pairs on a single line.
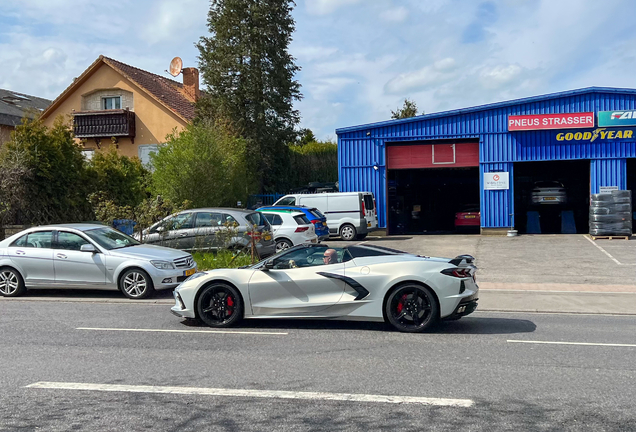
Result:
{"points": [[453, 155]]}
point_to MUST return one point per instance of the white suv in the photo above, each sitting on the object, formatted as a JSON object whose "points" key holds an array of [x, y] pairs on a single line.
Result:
{"points": [[290, 229]]}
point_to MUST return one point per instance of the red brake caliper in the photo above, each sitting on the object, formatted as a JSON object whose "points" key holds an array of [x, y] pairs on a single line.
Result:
{"points": [[400, 305], [230, 303]]}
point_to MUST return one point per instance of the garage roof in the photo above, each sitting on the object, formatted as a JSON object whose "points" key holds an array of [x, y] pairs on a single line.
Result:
{"points": [[497, 105]]}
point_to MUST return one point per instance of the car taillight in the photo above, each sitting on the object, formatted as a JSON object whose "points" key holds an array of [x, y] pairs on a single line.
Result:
{"points": [[363, 210], [302, 228], [457, 272], [315, 221]]}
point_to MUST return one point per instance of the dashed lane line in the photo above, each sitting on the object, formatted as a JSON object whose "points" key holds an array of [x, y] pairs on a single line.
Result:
{"points": [[465, 403], [184, 331]]}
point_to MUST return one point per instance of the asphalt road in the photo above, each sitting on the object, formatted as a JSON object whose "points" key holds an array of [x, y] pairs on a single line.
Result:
{"points": [[481, 369]]}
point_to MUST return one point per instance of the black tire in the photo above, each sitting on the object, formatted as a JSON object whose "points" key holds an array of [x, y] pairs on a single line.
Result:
{"points": [[136, 284], [11, 283], [361, 236], [347, 232], [219, 305], [411, 308], [282, 244]]}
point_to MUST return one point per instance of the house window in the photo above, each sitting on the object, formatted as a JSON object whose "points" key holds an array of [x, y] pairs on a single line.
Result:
{"points": [[144, 153], [109, 103]]}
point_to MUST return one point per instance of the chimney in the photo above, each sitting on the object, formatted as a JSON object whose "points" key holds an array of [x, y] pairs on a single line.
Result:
{"points": [[191, 82]]}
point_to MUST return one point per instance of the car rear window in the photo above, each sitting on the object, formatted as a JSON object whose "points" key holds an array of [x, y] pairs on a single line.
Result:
{"points": [[316, 213], [256, 219], [302, 220], [368, 202]]}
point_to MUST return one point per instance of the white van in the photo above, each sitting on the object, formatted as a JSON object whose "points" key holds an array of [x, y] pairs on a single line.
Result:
{"points": [[350, 215]]}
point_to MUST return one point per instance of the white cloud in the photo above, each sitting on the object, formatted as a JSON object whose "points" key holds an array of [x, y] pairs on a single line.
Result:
{"points": [[325, 7], [428, 76], [395, 15]]}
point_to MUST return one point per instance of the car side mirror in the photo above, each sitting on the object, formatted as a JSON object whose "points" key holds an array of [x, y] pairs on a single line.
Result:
{"points": [[88, 248], [268, 266]]}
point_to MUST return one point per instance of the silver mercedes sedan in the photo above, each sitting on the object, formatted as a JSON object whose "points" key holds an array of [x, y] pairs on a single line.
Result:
{"points": [[89, 256]]}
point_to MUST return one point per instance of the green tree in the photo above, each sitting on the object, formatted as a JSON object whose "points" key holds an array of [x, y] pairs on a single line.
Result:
{"points": [[123, 180], [204, 164], [249, 73], [409, 109], [313, 162], [306, 136], [57, 183]]}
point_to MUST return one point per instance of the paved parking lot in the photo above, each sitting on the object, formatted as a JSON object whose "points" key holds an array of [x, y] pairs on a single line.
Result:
{"points": [[533, 259]]}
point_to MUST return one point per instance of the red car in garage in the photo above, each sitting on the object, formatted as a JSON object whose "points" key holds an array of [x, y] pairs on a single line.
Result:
{"points": [[469, 219]]}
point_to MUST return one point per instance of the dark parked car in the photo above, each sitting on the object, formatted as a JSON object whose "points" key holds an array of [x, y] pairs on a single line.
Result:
{"points": [[210, 229]]}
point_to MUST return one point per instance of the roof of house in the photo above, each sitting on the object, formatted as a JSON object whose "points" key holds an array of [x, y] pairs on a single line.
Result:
{"points": [[14, 106], [496, 105], [169, 93]]}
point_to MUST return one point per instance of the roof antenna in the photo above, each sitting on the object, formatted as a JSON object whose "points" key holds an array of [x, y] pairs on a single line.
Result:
{"points": [[175, 66]]}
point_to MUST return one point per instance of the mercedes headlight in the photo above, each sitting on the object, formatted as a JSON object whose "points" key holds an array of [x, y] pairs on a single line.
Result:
{"points": [[163, 265]]}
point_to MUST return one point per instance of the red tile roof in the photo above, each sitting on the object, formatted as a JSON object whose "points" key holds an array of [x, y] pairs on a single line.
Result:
{"points": [[171, 93]]}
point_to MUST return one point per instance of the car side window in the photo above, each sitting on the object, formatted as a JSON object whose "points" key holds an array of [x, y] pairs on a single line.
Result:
{"points": [[208, 220], [180, 221], [290, 201], [273, 219], [70, 241], [21, 242], [39, 239], [229, 219]]}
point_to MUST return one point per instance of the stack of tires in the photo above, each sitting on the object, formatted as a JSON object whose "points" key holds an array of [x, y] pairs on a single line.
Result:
{"points": [[611, 214]]}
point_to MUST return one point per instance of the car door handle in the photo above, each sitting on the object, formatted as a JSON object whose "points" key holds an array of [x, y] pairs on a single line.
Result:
{"points": [[183, 235], [19, 252], [62, 256]]}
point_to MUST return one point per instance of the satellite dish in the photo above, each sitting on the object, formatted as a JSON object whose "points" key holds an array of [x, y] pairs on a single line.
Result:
{"points": [[175, 66]]}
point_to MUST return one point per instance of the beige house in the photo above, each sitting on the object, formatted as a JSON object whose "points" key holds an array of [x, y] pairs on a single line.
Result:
{"points": [[114, 104]]}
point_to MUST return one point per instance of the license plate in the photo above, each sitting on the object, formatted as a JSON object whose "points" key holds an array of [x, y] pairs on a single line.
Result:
{"points": [[549, 199], [189, 272], [470, 217], [368, 224], [267, 237]]}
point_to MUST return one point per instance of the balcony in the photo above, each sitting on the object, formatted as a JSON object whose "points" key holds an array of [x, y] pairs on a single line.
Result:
{"points": [[104, 124]]}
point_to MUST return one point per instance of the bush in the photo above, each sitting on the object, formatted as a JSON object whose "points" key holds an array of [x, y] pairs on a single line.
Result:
{"points": [[313, 162], [121, 179], [221, 259], [204, 164]]}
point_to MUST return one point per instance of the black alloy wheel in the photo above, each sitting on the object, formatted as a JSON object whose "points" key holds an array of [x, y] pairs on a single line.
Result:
{"points": [[219, 305], [411, 308]]}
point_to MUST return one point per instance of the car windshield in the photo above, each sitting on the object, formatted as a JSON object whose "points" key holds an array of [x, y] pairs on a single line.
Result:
{"points": [[110, 239]]}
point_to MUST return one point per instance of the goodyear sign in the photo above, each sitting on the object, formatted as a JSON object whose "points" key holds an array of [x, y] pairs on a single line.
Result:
{"points": [[617, 118], [598, 134]]}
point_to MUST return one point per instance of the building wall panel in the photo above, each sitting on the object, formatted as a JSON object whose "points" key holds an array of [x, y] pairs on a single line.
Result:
{"points": [[608, 172]]}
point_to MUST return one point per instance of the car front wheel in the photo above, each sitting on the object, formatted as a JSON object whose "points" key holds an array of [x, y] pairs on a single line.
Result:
{"points": [[219, 305], [11, 283], [136, 284], [411, 308]]}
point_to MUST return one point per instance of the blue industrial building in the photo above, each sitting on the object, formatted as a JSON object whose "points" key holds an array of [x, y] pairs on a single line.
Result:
{"points": [[424, 170]]}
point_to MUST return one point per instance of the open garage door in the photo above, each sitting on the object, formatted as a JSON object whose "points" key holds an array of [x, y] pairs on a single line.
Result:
{"points": [[552, 197], [433, 188]]}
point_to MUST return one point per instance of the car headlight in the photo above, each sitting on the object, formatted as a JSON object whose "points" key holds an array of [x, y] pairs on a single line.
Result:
{"points": [[163, 265], [194, 276]]}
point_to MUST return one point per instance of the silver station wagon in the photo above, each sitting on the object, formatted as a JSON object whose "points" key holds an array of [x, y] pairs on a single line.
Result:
{"points": [[89, 256]]}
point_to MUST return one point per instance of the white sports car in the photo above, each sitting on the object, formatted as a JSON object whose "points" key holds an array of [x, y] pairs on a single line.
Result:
{"points": [[358, 282]]}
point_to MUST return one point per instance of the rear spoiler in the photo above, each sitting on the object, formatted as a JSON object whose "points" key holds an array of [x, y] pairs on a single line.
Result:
{"points": [[465, 259]]}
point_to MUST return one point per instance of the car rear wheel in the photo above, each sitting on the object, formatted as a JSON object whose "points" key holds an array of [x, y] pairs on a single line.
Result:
{"points": [[411, 308], [347, 232], [283, 244], [11, 283], [219, 305], [136, 284]]}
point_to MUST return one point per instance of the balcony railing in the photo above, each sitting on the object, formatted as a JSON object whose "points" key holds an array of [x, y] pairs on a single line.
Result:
{"points": [[104, 124]]}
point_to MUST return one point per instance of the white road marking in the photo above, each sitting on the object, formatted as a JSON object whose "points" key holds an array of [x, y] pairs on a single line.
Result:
{"points": [[573, 343], [182, 331], [603, 250], [255, 393]]}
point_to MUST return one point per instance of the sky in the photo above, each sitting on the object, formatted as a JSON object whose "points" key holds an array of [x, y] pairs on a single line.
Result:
{"points": [[360, 58]]}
